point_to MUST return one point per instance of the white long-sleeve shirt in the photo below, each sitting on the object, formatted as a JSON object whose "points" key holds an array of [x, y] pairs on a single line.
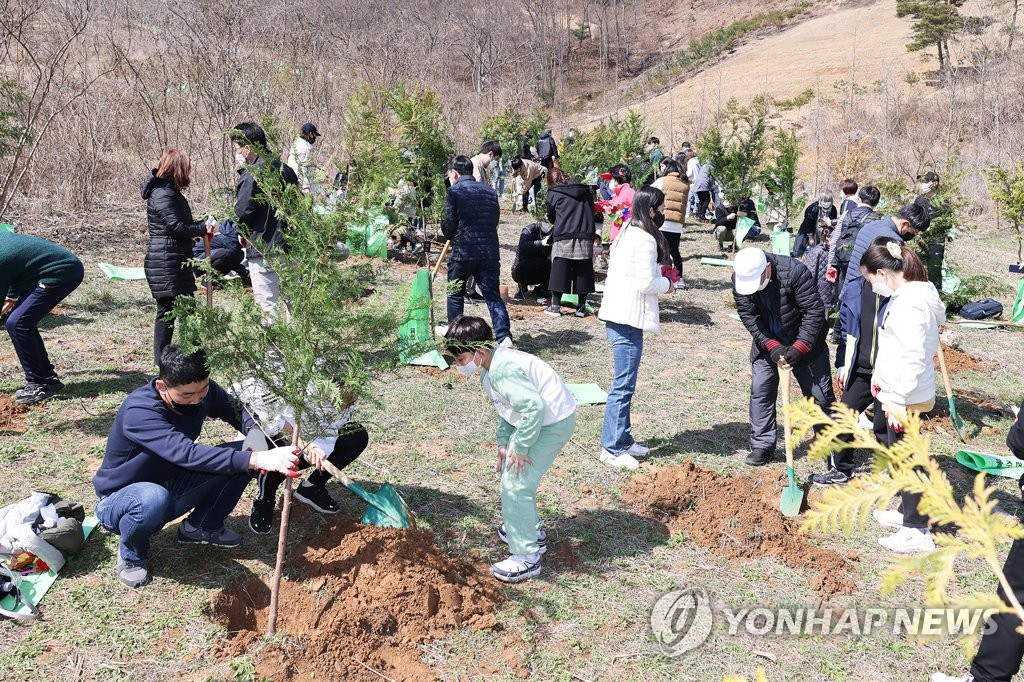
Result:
{"points": [[298, 159]]}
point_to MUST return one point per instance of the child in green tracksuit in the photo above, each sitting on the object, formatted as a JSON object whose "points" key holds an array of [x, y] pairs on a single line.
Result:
{"points": [[536, 418]]}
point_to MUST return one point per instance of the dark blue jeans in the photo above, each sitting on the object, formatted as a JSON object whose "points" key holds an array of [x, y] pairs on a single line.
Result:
{"points": [[23, 328], [486, 273], [138, 511]]}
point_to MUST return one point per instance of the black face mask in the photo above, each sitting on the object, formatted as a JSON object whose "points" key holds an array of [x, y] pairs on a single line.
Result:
{"points": [[659, 219], [187, 409]]}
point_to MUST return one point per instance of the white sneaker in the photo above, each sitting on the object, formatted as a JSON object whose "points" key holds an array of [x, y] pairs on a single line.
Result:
{"points": [[620, 461], [680, 285], [888, 518], [864, 422], [441, 330], [517, 568], [909, 541], [506, 342], [638, 451], [542, 538], [942, 677]]}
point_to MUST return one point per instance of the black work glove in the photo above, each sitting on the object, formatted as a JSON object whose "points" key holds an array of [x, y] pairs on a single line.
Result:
{"points": [[792, 355], [777, 353]]}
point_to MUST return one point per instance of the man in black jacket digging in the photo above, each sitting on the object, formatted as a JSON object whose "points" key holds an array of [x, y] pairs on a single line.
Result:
{"points": [[778, 302], [471, 216]]}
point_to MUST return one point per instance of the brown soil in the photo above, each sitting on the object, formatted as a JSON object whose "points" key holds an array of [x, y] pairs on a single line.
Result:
{"points": [[959, 361], [12, 415], [738, 517], [359, 597]]}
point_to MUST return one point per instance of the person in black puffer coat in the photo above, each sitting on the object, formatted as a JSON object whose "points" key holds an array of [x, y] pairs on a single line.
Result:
{"points": [[471, 215], [779, 305], [817, 216], [532, 264], [571, 210], [171, 231]]}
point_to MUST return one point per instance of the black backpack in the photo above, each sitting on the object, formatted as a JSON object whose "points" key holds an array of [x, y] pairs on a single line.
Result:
{"points": [[848, 235], [980, 310]]}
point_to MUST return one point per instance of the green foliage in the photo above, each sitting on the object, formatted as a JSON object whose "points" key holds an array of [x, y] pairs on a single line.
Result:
{"points": [[508, 127], [11, 97], [322, 355], [611, 142], [907, 466], [973, 288], [1007, 191], [936, 22], [779, 179], [803, 99], [736, 148]]}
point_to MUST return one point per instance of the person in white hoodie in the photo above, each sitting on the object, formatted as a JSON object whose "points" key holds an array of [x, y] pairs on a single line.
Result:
{"points": [[536, 418], [630, 308], [904, 376]]}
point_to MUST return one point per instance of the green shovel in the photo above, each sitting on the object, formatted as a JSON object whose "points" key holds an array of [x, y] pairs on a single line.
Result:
{"points": [[793, 495]]}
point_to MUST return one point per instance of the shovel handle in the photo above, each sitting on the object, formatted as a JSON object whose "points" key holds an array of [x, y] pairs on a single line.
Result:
{"points": [[945, 373], [440, 259], [785, 382]]}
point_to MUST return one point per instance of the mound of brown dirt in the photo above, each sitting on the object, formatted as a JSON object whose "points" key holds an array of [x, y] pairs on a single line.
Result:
{"points": [[959, 361], [738, 517], [359, 597], [12, 415]]}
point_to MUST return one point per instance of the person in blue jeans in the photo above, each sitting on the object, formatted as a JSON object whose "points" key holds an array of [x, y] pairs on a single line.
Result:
{"points": [[153, 471], [470, 222], [35, 275], [630, 308]]}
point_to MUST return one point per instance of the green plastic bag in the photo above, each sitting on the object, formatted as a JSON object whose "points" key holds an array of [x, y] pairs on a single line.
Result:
{"points": [[415, 332], [1018, 305], [781, 244], [370, 238], [994, 465]]}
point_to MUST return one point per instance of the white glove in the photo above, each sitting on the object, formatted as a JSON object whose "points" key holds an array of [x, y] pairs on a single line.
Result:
{"points": [[284, 460], [546, 241]]}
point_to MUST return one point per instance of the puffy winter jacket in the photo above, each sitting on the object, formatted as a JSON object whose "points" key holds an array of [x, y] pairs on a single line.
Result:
{"points": [[677, 193], [786, 311], [533, 259], [471, 216], [171, 231], [571, 211], [907, 341], [809, 226], [252, 209]]}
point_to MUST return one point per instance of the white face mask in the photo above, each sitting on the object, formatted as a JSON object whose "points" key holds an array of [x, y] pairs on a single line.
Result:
{"points": [[240, 159], [881, 288], [764, 284], [469, 369], [926, 187]]}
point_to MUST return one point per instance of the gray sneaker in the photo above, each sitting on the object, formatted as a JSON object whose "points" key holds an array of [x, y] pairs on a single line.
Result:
{"points": [[132, 575], [224, 537]]}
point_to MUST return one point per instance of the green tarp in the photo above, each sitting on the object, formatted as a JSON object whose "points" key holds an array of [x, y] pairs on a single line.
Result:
{"points": [[743, 227], [1008, 467], [415, 334], [588, 394], [35, 585], [6, 227], [781, 244], [724, 262], [1017, 314], [120, 274]]}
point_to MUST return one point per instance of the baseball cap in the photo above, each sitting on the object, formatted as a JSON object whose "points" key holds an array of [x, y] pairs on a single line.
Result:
{"points": [[310, 129], [750, 263], [930, 176]]}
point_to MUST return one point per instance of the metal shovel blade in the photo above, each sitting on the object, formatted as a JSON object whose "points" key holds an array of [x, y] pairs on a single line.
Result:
{"points": [[793, 495], [387, 508]]}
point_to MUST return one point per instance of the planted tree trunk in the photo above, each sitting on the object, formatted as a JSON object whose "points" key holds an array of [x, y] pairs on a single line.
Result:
{"points": [[282, 543]]}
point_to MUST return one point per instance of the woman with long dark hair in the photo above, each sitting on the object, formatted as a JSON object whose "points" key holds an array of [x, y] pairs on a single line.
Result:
{"points": [[629, 309], [571, 211], [903, 381], [171, 231]]}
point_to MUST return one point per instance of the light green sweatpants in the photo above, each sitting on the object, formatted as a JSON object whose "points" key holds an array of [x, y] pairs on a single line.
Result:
{"points": [[519, 493]]}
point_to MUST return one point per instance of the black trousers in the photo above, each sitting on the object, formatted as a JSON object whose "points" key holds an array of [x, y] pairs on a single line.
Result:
{"points": [[163, 328], [814, 378], [535, 186], [857, 396], [909, 502], [999, 654], [352, 440], [703, 200], [673, 249]]}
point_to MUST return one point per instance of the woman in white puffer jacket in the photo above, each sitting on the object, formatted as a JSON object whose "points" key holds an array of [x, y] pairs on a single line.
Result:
{"points": [[630, 308], [904, 374]]}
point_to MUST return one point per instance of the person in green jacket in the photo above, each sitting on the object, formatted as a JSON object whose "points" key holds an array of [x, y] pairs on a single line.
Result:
{"points": [[536, 418], [35, 275]]}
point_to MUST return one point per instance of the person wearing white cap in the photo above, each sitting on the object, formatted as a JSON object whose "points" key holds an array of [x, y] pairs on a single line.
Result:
{"points": [[778, 303]]}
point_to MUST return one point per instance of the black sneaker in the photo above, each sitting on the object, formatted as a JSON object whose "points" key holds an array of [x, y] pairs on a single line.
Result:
{"points": [[224, 537], [831, 477], [36, 393], [261, 517], [759, 458], [519, 296], [316, 496]]}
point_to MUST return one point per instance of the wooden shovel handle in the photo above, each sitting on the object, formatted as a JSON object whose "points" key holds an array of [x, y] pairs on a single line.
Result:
{"points": [[945, 373], [209, 279], [440, 259], [785, 383]]}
